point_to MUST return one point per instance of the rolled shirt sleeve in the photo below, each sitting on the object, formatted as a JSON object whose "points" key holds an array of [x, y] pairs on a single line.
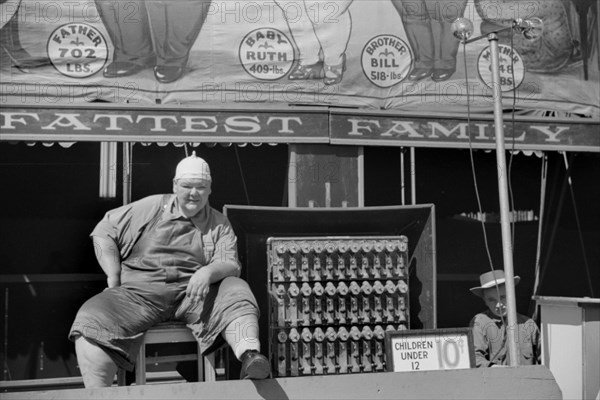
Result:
{"points": [[125, 224], [224, 250]]}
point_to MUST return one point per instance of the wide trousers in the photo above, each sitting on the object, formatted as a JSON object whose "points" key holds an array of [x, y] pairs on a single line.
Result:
{"points": [[428, 28], [117, 318], [153, 32]]}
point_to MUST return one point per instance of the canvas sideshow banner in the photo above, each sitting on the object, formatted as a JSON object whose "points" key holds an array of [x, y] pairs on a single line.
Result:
{"points": [[375, 54]]}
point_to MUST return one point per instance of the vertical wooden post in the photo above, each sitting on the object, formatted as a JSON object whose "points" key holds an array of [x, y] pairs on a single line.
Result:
{"points": [[127, 167]]}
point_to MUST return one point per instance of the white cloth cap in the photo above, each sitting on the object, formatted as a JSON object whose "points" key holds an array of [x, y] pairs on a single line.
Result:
{"points": [[193, 167]]}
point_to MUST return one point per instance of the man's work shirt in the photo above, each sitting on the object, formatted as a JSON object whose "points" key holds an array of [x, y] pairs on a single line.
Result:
{"points": [[490, 340], [157, 243]]}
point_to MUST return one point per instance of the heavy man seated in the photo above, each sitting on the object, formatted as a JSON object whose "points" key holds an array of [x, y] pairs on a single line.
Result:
{"points": [[167, 257]]}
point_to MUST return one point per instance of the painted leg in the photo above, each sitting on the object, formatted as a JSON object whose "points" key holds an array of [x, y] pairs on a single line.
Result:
{"points": [[12, 51], [445, 42], [130, 37], [417, 26], [175, 28], [333, 26], [97, 368], [308, 64]]}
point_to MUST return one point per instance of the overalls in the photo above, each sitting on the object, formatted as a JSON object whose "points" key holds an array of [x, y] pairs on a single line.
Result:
{"points": [[154, 291]]}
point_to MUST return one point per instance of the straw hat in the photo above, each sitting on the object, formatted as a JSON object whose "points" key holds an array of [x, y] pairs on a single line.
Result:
{"points": [[490, 279]]}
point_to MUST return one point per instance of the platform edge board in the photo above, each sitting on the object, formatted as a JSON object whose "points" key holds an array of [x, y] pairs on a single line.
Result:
{"points": [[532, 382]]}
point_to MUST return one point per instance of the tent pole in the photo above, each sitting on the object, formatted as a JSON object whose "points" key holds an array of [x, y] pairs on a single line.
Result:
{"points": [[413, 177], [292, 177], [538, 253], [402, 183]]}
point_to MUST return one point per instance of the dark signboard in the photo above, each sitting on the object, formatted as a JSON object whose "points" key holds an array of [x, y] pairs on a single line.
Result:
{"points": [[161, 124], [420, 130]]}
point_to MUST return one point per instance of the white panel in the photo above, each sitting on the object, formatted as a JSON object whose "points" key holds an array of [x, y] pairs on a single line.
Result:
{"points": [[562, 347]]}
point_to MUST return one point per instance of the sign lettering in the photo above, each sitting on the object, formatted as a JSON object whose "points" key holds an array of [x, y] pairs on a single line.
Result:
{"points": [[428, 350], [335, 127]]}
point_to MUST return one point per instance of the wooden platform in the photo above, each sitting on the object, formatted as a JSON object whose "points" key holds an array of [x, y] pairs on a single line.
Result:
{"points": [[534, 382]]}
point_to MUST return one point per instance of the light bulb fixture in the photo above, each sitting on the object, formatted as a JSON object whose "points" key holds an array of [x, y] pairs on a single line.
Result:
{"points": [[462, 29], [531, 29]]}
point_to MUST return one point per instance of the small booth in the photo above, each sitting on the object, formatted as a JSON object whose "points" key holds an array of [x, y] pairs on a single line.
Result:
{"points": [[571, 349]]}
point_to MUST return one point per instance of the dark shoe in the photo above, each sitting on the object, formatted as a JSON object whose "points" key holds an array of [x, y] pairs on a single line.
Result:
{"points": [[11, 51], [334, 73], [254, 365], [309, 71], [440, 75], [167, 74], [33, 62], [119, 69], [23, 60], [419, 73]]}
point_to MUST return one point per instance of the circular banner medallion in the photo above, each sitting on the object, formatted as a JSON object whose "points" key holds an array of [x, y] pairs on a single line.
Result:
{"points": [[512, 67], [386, 60], [266, 54], [77, 50]]}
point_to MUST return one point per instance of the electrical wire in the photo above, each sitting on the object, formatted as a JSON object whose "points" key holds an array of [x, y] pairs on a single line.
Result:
{"points": [[485, 239], [239, 163], [556, 217], [538, 254], [6, 375], [512, 151], [578, 222]]}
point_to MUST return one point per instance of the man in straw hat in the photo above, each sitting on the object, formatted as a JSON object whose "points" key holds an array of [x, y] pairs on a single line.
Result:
{"points": [[489, 326], [167, 257]]}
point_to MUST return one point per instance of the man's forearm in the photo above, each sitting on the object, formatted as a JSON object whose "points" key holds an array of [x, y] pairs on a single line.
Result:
{"points": [[109, 258], [221, 270]]}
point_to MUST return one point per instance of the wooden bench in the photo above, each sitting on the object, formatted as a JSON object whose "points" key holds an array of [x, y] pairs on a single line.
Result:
{"points": [[170, 332]]}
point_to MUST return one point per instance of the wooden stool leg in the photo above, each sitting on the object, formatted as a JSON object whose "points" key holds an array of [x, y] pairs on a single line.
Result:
{"points": [[140, 366], [225, 353], [121, 377], [210, 373], [170, 334], [200, 365]]}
